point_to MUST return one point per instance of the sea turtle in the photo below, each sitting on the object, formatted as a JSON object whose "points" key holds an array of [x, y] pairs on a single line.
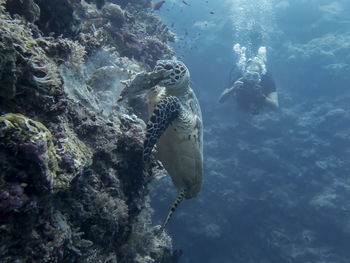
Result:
{"points": [[175, 125]]}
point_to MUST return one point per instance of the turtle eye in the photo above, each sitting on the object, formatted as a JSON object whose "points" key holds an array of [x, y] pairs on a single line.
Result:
{"points": [[168, 67]]}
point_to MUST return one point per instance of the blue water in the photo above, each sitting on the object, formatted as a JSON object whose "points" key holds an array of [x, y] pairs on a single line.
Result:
{"points": [[276, 186]]}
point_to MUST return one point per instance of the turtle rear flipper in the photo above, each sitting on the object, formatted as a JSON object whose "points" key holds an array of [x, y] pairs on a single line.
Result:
{"points": [[180, 196], [166, 111]]}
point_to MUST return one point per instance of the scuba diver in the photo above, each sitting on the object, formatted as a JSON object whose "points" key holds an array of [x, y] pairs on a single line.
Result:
{"points": [[254, 90]]}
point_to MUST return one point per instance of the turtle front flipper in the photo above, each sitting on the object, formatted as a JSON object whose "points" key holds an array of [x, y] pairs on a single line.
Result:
{"points": [[166, 111], [141, 82]]}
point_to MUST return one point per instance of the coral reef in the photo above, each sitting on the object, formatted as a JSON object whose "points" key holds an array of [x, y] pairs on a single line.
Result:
{"points": [[126, 25], [72, 183]]}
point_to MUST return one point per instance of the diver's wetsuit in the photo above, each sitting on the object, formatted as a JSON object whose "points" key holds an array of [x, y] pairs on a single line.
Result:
{"points": [[251, 97]]}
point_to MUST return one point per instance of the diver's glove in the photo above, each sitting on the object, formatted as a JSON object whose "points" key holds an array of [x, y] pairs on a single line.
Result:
{"points": [[231, 91]]}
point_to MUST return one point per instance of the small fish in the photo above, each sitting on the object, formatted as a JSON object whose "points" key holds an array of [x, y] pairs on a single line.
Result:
{"points": [[212, 12], [157, 5], [185, 2]]}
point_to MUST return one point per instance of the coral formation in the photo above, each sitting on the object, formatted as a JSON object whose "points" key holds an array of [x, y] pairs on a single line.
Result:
{"points": [[8, 76], [71, 173], [28, 9], [25, 142], [114, 14], [59, 17], [29, 60]]}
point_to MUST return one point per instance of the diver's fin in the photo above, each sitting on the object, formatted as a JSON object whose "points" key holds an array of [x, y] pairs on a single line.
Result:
{"points": [[177, 201], [166, 111]]}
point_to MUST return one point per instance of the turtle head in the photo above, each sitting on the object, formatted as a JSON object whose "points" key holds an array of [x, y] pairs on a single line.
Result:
{"points": [[179, 76]]}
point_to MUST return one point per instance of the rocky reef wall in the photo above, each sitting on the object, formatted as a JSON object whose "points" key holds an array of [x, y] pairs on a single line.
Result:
{"points": [[72, 184]]}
